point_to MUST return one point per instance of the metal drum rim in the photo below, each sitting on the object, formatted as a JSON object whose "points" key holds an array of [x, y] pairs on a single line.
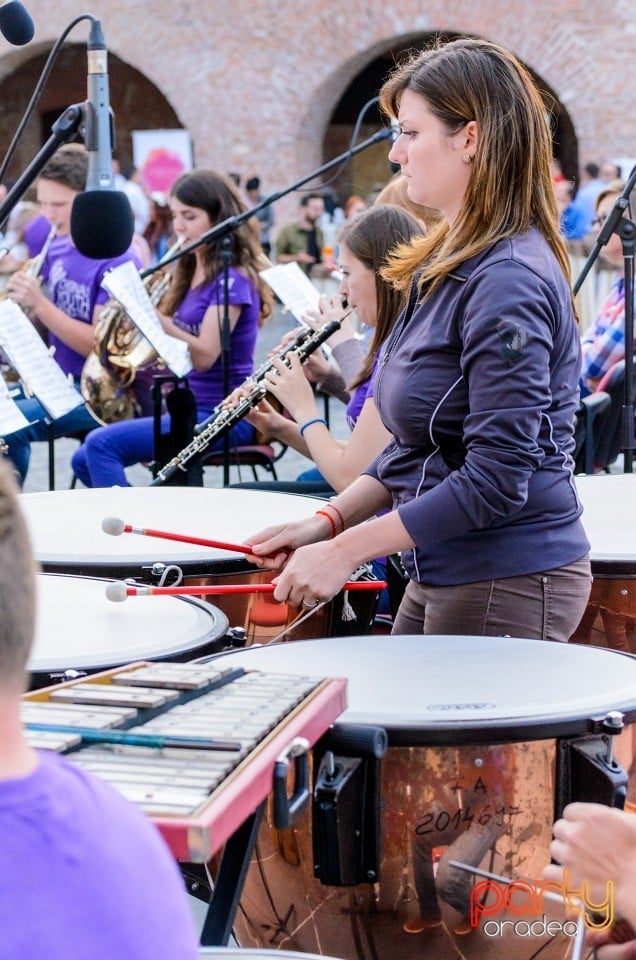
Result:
{"points": [[463, 732]]}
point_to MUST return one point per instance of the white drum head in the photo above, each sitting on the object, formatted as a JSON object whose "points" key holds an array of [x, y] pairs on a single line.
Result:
{"points": [[65, 525], [609, 517], [437, 689], [78, 628]]}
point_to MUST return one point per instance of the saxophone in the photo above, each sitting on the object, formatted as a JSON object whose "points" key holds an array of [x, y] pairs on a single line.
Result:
{"points": [[120, 351], [224, 418]]}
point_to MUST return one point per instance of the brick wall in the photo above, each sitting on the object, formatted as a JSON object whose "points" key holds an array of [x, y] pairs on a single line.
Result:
{"points": [[256, 81]]}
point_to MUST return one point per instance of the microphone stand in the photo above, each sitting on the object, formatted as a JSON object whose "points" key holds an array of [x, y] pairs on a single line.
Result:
{"points": [[63, 130], [221, 232], [226, 226], [226, 344], [626, 230]]}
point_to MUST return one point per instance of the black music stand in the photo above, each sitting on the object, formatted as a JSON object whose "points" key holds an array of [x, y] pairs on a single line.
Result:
{"points": [[626, 230]]}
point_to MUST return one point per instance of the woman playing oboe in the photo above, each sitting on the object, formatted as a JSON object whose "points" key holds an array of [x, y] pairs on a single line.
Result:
{"points": [[478, 381], [192, 311]]}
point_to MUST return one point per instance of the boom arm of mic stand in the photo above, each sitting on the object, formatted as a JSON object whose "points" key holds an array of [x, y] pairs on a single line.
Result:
{"points": [[608, 228], [233, 222], [62, 131]]}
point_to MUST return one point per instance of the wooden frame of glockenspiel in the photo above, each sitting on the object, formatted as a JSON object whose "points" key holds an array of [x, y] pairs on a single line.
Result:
{"points": [[195, 838]]}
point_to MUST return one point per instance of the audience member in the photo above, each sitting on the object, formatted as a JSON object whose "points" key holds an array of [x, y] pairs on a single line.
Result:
{"points": [[589, 189], [129, 181], [604, 343], [159, 233], [302, 240], [572, 218], [265, 216], [71, 304], [354, 206]]}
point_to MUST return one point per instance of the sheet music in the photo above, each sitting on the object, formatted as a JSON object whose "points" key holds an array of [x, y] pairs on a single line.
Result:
{"points": [[11, 417], [125, 284], [37, 369], [293, 288]]}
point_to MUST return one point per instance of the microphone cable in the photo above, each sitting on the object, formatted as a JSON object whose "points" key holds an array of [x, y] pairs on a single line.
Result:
{"points": [[37, 93]]}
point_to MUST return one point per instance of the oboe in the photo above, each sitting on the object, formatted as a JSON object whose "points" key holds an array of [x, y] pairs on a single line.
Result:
{"points": [[221, 420]]}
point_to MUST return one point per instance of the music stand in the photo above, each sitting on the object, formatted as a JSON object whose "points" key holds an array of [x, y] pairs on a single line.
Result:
{"points": [[626, 230]]}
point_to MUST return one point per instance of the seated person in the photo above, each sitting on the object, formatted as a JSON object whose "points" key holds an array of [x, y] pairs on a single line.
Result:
{"points": [[365, 245], [84, 873], [72, 306], [604, 343], [192, 311]]}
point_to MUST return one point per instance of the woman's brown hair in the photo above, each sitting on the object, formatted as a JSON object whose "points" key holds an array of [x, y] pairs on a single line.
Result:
{"points": [[217, 195], [371, 237], [510, 188]]}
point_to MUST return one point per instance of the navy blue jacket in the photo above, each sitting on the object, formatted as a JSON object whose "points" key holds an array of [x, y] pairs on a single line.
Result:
{"points": [[479, 387]]}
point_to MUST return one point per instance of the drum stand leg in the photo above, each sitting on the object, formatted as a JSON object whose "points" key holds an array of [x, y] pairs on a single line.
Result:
{"points": [[228, 885]]}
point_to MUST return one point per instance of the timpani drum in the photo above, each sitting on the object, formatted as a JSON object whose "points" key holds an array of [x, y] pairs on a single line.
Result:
{"points": [[479, 729], [77, 628], [609, 518], [65, 528]]}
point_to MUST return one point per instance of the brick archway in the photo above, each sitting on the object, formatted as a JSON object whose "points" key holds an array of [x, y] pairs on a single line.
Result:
{"points": [[368, 170], [138, 103]]}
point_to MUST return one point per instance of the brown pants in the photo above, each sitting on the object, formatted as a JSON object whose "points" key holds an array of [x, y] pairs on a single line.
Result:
{"points": [[542, 606]]}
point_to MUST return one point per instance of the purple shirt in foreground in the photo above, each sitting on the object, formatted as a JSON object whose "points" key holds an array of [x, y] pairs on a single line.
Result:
{"points": [[84, 874]]}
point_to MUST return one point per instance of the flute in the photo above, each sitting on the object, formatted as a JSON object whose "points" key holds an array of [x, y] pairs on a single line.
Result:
{"points": [[222, 419]]}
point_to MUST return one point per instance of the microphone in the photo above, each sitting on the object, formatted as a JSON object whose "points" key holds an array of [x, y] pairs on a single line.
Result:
{"points": [[101, 218], [16, 25]]}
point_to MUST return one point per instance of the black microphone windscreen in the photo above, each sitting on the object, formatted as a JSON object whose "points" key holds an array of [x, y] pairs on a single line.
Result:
{"points": [[16, 25], [102, 223]]}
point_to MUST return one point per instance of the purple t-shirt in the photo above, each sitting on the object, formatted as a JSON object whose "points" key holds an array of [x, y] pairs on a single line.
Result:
{"points": [[361, 394], [35, 234], [208, 386], [83, 873], [75, 286], [355, 405]]}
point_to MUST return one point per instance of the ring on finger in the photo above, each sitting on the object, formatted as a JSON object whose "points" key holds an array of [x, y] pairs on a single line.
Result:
{"points": [[309, 605]]}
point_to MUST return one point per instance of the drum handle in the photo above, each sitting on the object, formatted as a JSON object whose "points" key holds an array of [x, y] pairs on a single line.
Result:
{"points": [[288, 809], [356, 740]]}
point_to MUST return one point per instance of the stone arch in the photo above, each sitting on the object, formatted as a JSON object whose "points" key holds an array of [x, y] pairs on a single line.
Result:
{"points": [[139, 104], [359, 79]]}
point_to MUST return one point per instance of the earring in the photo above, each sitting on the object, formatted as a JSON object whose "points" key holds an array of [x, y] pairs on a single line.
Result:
{"points": [[467, 158]]}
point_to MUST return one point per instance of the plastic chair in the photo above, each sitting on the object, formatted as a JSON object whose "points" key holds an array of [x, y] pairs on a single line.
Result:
{"points": [[262, 455]]}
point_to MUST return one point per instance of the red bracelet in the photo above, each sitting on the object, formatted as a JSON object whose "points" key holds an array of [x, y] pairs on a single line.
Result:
{"points": [[338, 514], [334, 532]]}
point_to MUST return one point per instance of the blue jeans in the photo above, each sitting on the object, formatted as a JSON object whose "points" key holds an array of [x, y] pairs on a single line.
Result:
{"points": [[19, 444], [102, 458]]}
